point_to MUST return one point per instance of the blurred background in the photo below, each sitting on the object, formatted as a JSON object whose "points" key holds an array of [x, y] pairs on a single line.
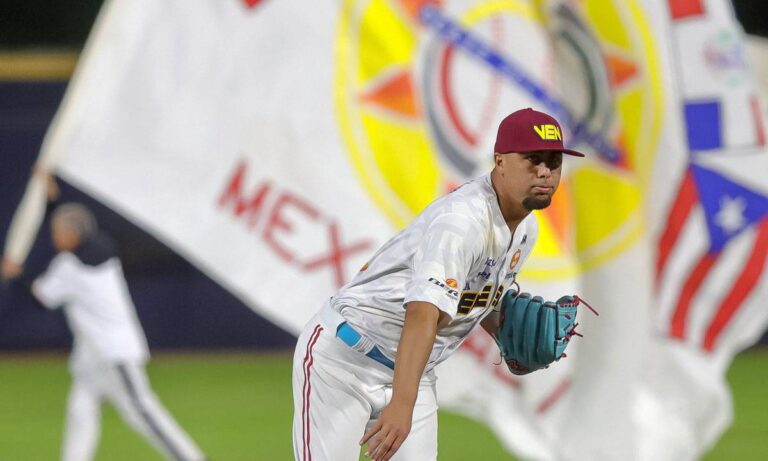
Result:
{"points": [[221, 368]]}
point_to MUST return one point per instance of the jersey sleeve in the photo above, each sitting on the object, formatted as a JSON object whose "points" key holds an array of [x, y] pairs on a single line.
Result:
{"points": [[53, 287], [442, 262]]}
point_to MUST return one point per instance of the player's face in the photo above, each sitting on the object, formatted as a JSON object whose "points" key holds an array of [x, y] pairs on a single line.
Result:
{"points": [[531, 178], [64, 239]]}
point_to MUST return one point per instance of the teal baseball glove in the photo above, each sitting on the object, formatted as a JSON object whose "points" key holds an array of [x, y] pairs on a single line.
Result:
{"points": [[534, 333]]}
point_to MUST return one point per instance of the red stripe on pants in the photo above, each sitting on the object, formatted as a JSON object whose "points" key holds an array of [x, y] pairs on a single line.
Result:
{"points": [[308, 360]]}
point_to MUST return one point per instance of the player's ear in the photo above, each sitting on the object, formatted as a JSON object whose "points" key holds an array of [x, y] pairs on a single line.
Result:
{"points": [[498, 159]]}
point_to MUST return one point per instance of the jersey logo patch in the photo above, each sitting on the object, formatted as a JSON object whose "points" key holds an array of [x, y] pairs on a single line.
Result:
{"points": [[515, 259], [452, 292]]}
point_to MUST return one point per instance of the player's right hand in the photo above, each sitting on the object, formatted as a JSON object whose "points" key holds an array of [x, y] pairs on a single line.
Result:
{"points": [[389, 431], [10, 269]]}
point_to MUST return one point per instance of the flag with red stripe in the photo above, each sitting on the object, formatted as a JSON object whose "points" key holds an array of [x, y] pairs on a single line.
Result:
{"points": [[712, 251], [276, 145], [711, 235], [711, 256]]}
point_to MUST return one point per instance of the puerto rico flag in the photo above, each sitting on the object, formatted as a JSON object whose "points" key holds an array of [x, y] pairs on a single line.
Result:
{"points": [[712, 250], [734, 219], [711, 236]]}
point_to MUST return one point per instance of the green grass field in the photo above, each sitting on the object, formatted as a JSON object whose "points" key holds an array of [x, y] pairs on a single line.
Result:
{"points": [[238, 408]]}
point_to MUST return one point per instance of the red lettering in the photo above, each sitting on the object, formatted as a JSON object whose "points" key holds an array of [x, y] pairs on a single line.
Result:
{"points": [[477, 344], [234, 193], [483, 349], [554, 396], [502, 372], [277, 223], [280, 216], [252, 3], [336, 255]]}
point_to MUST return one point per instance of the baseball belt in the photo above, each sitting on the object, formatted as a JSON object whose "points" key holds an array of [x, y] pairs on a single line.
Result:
{"points": [[354, 340], [333, 320]]}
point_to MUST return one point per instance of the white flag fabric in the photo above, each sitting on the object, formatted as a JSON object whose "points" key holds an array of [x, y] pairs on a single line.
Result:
{"points": [[214, 130], [277, 144], [711, 230]]}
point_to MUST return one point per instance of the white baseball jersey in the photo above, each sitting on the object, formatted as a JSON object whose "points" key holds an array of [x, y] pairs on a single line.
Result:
{"points": [[458, 254], [98, 308]]}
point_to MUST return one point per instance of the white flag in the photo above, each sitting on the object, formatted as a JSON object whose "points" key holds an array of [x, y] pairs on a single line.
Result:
{"points": [[277, 144], [711, 229]]}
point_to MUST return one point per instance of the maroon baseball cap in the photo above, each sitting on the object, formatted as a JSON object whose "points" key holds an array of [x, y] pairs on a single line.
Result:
{"points": [[528, 130]]}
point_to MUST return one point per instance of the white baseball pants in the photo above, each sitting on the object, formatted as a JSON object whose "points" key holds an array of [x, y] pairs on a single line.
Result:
{"points": [[126, 386], [339, 392]]}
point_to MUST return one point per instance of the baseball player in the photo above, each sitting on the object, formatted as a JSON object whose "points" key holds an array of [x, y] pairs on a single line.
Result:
{"points": [[85, 278], [363, 368]]}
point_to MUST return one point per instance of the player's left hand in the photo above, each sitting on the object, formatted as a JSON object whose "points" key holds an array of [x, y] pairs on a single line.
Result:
{"points": [[533, 333], [389, 431]]}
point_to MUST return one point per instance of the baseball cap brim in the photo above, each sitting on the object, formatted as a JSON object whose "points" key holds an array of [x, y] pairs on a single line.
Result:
{"points": [[565, 151], [573, 152], [527, 130]]}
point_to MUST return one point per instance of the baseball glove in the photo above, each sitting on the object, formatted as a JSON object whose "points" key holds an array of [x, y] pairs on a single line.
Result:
{"points": [[534, 333]]}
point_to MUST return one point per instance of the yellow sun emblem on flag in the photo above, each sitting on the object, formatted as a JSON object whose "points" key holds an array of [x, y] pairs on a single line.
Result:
{"points": [[418, 111]]}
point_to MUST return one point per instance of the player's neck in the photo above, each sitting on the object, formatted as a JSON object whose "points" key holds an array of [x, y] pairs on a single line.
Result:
{"points": [[513, 214], [512, 211]]}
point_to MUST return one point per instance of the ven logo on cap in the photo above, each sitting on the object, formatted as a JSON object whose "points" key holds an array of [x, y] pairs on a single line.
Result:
{"points": [[528, 130], [548, 132]]}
